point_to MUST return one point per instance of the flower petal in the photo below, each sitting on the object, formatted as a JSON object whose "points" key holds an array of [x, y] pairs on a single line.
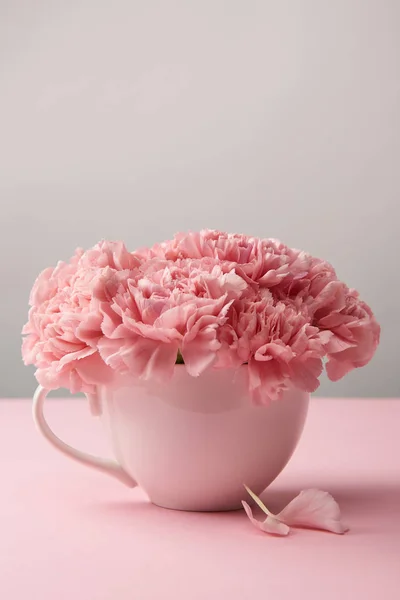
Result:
{"points": [[270, 525], [313, 509], [306, 373], [200, 353]]}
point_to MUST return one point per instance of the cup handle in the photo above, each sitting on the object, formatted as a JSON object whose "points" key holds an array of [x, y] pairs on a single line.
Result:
{"points": [[110, 467]]}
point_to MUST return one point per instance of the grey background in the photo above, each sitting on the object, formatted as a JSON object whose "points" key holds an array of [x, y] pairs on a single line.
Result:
{"points": [[132, 120]]}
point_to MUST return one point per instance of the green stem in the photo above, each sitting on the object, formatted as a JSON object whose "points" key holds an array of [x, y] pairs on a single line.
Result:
{"points": [[179, 359]]}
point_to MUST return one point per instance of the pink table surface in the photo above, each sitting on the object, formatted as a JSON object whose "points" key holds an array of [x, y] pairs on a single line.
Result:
{"points": [[68, 533]]}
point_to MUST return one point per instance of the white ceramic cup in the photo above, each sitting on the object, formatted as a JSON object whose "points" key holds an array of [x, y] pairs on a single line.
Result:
{"points": [[191, 443]]}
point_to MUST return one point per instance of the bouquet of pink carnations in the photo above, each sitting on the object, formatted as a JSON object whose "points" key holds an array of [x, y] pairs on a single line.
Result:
{"points": [[207, 300]]}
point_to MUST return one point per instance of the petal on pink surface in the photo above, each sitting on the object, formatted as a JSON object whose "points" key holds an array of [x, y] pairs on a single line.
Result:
{"points": [[313, 509], [270, 525]]}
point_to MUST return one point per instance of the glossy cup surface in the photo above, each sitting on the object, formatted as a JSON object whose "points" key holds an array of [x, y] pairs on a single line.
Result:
{"points": [[191, 444]]}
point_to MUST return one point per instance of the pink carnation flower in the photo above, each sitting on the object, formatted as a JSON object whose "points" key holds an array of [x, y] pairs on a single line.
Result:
{"points": [[262, 262], [278, 342], [64, 323], [355, 337], [170, 307], [334, 307]]}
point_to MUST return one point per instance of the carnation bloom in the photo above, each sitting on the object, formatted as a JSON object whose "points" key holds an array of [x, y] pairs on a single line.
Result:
{"points": [[336, 308], [355, 338], [170, 306], [262, 262], [279, 344], [64, 323]]}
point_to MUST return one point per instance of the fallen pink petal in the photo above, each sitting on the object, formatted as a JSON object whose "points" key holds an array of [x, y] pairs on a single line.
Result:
{"points": [[270, 525], [311, 509]]}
